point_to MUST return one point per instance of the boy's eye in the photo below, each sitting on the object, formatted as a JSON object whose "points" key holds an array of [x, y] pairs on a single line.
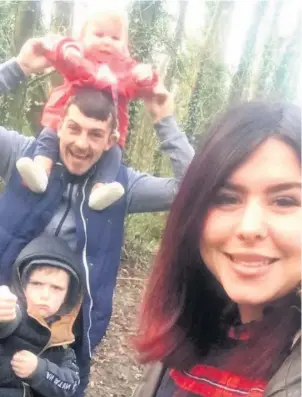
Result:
{"points": [[57, 288], [36, 283]]}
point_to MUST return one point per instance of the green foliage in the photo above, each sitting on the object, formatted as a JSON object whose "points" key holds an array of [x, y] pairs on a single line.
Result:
{"points": [[194, 69]]}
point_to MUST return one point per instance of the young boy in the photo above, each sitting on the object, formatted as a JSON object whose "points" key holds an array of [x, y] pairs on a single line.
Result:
{"points": [[36, 321], [100, 59]]}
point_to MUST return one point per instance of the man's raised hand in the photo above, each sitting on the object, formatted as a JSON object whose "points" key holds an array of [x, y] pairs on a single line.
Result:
{"points": [[31, 58]]}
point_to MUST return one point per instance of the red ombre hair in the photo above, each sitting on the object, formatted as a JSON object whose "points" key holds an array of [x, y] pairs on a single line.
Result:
{"points": [[185, 314]]}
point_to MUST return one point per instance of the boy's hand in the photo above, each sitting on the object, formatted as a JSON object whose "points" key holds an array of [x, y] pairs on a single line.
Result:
{"points": [[142, 72], [24, 363], [8, 304]]}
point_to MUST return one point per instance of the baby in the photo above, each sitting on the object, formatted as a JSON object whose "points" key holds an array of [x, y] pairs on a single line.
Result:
{"points": [[100, 59]]}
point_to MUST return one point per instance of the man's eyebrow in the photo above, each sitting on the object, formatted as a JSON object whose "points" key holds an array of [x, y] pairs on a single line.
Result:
{"points": [[97, 130], [278, 187], [72, 121]]}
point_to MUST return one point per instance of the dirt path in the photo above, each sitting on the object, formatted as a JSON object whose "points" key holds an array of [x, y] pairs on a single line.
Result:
{"points": [[114, 372]]}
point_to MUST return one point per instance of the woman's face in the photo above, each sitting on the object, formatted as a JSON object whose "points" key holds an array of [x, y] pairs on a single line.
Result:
{"points": [[251, 239]]}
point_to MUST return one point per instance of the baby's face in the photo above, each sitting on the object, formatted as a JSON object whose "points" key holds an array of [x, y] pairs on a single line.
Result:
{"points": [[103, 36]]}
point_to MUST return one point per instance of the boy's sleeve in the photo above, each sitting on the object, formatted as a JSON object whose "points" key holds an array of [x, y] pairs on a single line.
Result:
{"points": [[7, 328], [52, 380]]}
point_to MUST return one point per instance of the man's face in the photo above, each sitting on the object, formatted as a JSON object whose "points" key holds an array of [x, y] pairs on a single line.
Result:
{"points": [[46, 290], [83, 140]]}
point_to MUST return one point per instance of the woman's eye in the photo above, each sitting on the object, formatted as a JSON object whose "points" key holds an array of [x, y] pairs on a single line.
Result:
{"points": [[225, 199], [286, 202]]}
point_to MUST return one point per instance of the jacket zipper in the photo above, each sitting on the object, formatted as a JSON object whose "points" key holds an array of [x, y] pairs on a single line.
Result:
{"points": [[58, 230], [84, 259]]}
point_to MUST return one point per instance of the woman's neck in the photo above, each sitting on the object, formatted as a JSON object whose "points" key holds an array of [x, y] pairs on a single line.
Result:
{"points": [[250, 313]]}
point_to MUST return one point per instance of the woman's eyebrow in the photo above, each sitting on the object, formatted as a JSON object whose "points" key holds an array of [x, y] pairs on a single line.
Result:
{"points": [[274, 188]]}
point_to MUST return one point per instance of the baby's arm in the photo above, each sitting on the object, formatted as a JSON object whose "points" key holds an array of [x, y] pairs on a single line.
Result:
{"points": [[144, 79], [67, 56]]}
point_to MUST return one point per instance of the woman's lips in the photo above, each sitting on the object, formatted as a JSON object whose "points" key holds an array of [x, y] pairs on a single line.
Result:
{"points": [[248, 264]]}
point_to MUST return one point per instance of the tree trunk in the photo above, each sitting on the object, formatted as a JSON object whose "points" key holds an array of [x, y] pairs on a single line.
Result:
{"points": [[284, 82], [210, 80], [28, 14], [240, 81], [27, 18], [144, 18], [266, 69], [179, 31], [61, 23]]}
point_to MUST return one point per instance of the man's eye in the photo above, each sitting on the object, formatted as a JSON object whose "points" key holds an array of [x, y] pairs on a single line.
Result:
{"points": [[71, 127], [97, 135]]}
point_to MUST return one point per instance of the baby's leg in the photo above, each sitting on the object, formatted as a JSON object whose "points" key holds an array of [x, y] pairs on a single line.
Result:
{"points": [[105, 190], [35, 172]]}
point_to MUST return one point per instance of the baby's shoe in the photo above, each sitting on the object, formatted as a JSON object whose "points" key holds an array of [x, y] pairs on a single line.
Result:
{"points": [[104, 195], [33, 176]]}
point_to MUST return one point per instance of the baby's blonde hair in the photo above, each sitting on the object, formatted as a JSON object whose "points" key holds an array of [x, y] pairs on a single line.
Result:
{"points": [[119, 17]]}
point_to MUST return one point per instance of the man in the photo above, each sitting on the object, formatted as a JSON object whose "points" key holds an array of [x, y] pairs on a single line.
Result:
{"points": [[84, 133]]}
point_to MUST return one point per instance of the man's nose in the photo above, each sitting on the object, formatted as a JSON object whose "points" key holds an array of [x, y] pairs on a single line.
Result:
{"points": [[82, 142], [253, 225]]}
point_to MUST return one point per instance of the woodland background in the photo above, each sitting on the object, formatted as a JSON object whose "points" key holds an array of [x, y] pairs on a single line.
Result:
{"points": [[196, 71]]}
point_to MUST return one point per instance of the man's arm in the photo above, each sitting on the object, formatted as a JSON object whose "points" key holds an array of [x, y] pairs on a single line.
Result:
{"points": [[52, 380], [147, 193], [30, 60], [11, 75]]}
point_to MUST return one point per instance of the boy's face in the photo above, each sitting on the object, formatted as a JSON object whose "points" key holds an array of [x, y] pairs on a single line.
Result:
{"points": [[46, 290], [103, 36]]}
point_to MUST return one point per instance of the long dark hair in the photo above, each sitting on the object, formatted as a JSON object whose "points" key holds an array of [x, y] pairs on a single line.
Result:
{"points": [[185, 312]]}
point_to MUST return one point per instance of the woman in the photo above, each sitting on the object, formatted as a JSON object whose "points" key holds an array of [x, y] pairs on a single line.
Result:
{"points": [[222, 307]]}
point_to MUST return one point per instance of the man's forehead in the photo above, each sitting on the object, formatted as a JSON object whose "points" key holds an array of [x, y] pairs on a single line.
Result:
{"points": [[74, 115]]}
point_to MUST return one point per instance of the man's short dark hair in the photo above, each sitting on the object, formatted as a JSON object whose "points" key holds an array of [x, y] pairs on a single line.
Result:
{"points": [[95, 104]]}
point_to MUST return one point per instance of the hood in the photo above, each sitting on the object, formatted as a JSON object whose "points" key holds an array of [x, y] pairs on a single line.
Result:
{"points": [[52, 251]]}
